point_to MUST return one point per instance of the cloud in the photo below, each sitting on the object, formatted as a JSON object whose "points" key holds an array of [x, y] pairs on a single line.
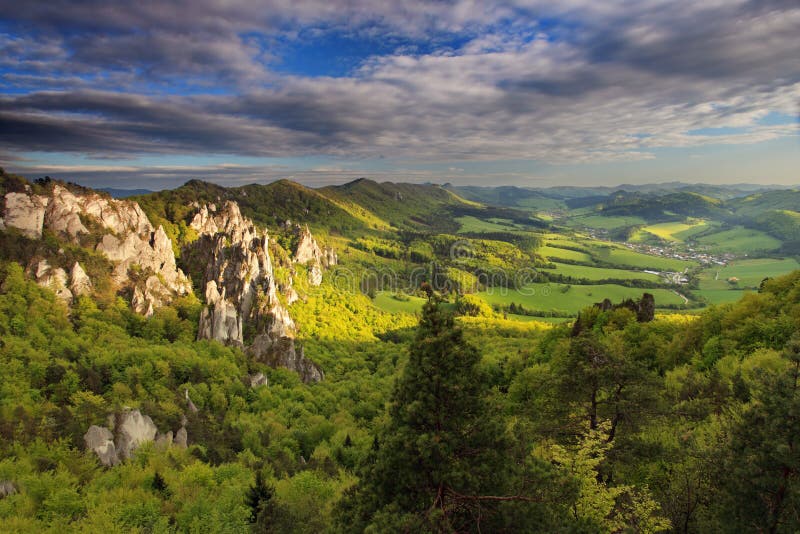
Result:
{"points": [[580, 81]]}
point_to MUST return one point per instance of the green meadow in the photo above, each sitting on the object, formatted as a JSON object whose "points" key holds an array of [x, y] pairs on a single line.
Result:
{"points": [[749, 272], [600, 273], [571, 298], [740, 240]]}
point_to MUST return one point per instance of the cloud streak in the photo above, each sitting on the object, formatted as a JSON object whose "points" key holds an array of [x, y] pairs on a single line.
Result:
{"points": [[610, 81]]}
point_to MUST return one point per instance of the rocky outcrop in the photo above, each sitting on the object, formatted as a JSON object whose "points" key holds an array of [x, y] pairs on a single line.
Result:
{"points": [[257, 380], [152, 254], [7, 488], [128, 239], [241, 293], [310, 254], [54, 279], [644, 309], [181, 438], [132, 429], [100, 440], [79, 282], [25, 212]]}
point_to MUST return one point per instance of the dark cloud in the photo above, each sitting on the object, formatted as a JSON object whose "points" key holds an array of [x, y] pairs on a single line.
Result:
{"points": [[121, 79]]}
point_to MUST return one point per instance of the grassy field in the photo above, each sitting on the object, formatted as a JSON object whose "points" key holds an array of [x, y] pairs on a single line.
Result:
{"points": [[601, 222], [740, 240], [749, 272], [531, 319], [473, 224], [599, 273], [556, 297], [675, 231], [387, 302], [623, 256], [575, 242], [554, 253], [720, 296]]}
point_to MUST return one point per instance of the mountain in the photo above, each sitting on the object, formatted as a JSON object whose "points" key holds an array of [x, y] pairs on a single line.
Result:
{"points": [[662, 207], [123, 193], [403, 206]]}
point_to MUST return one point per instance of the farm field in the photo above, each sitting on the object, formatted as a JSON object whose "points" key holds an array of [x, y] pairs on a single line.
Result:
{"points": [[623, 256], [720, 296], [600, 273], [556, 297], [532, 319], [386, 301], [555, 253], [473, 224], [749, 272], [675, 231], [740, 241], [602, 222]]}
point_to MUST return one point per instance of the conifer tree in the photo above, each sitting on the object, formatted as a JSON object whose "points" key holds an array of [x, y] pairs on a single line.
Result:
{"points": [[440, 465]]}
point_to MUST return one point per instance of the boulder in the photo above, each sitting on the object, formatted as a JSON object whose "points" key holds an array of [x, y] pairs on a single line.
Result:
{"points": [[181, 438], [7, 488], [100, 440], [132, 430], [258, 380]]}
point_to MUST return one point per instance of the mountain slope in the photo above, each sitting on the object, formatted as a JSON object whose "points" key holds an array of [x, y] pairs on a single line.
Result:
{"points": [[403, 206]]}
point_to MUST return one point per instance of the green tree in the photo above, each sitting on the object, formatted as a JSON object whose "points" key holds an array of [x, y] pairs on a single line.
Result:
{"points": [[440, 464], [259, 500], [760, 482]]}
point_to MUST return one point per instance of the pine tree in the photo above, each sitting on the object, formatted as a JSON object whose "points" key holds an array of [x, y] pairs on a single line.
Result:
{"points": [[259, 501], [440, 465]]}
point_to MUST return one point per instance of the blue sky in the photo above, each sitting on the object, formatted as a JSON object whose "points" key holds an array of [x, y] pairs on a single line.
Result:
{"points": [[151, 94]]}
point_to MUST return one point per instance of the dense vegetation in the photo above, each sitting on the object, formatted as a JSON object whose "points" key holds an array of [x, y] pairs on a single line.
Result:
{"points": [[444, 407], [681, 423]]}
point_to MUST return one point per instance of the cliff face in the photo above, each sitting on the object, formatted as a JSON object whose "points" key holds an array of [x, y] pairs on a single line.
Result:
{"points": [[309, 253], [127, 239], [243, 307]]}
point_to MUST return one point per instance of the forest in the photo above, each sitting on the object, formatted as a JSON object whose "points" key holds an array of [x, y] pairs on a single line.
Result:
{"points": [[685, 424]]}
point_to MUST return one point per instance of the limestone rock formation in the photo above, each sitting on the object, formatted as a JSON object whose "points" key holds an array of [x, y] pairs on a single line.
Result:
{"points": [[7, 488], [128, 239], [132, 430], [241, 292], [307, 248], [153, 254], [54, 279], [100, 440], [79, 282], [257, 380], [25, 212], [181, 438], [310, 254]]}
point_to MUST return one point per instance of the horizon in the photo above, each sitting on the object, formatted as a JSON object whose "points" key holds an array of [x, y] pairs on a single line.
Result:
{"points": [[523, 94], [618, 187]]}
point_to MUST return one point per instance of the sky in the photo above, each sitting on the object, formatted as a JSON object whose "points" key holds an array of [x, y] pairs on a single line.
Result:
{"points": [[149, 94]]}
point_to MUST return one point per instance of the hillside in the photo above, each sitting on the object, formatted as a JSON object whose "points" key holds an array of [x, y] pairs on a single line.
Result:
{"points": [[402, 206], [270, 205]]}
